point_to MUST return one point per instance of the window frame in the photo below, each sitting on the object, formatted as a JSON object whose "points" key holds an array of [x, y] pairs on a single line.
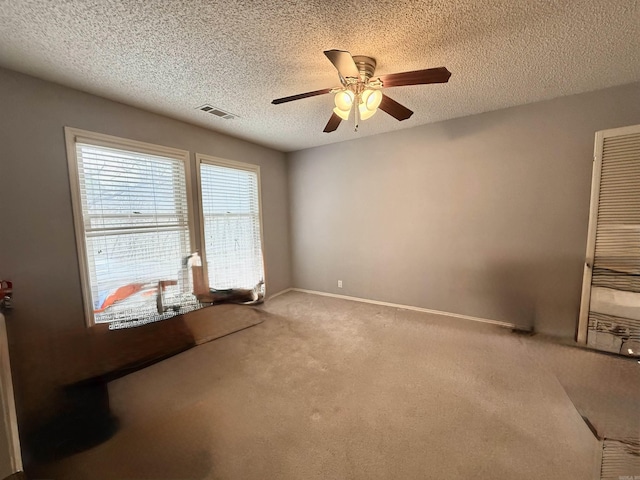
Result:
{"points": [[74, 136], [223, 162]]}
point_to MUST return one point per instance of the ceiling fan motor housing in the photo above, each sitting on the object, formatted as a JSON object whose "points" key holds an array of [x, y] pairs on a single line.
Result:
{"points": [[366, 66]]}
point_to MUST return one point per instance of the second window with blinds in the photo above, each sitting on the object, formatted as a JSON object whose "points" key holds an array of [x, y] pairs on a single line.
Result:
{"points": [[230, 223]]}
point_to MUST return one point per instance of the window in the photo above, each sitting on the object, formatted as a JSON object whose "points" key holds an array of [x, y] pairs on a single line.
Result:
{"points": [[230, 218], [133, 228], [136, 234]]}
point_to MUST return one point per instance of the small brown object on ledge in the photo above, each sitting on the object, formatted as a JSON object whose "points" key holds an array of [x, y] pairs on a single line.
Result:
{"points": [[234, 295]]}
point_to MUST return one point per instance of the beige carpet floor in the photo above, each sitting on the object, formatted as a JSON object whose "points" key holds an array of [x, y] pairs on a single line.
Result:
{"points": [[604, 388], [331, 389]]}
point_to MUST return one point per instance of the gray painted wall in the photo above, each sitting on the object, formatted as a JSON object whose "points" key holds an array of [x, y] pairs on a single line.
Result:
{"points": [[37, 245], [484, 216]]}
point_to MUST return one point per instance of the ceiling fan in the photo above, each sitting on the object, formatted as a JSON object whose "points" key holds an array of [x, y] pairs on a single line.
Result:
{"points": [[361, 93]]}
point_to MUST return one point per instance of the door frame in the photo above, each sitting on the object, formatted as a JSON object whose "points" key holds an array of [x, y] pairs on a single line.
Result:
{"points": [[585, 299], [9, 418]]}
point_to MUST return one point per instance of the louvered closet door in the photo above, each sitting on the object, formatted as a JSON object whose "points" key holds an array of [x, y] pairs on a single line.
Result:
{"points": [[611, 290]]}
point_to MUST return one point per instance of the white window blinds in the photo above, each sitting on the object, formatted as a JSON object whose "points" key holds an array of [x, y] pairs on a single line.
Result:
{"points": [[135, 220], [231, 218]]}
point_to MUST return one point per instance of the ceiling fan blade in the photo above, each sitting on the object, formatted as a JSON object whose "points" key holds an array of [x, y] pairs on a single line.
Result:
{"points": [[278, 101], [343, 61], [332, 124], [417, 77], [393, 108]]}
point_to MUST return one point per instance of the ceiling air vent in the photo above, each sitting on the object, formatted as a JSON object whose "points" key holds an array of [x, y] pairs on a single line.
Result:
{"points": [[217, 112]]}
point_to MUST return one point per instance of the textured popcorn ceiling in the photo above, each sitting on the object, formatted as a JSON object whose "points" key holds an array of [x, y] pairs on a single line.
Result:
{"points": [[170, 56]]}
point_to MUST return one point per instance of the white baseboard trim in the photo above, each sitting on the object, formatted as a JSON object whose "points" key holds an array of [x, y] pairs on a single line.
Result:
{"points": [[410, 307], [277, 294]]}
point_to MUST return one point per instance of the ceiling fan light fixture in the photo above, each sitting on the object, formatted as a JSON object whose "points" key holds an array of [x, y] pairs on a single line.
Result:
{"points": [[371, 98], [370, 101], [344, 101], [343, 114], [366, 114]]}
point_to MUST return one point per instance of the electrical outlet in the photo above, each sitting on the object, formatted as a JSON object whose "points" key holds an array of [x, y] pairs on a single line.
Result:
{"points": [[339, 283]]}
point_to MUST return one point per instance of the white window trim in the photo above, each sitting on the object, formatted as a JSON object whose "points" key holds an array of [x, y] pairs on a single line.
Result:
{"points": [[75, 135], [222, 162]]}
